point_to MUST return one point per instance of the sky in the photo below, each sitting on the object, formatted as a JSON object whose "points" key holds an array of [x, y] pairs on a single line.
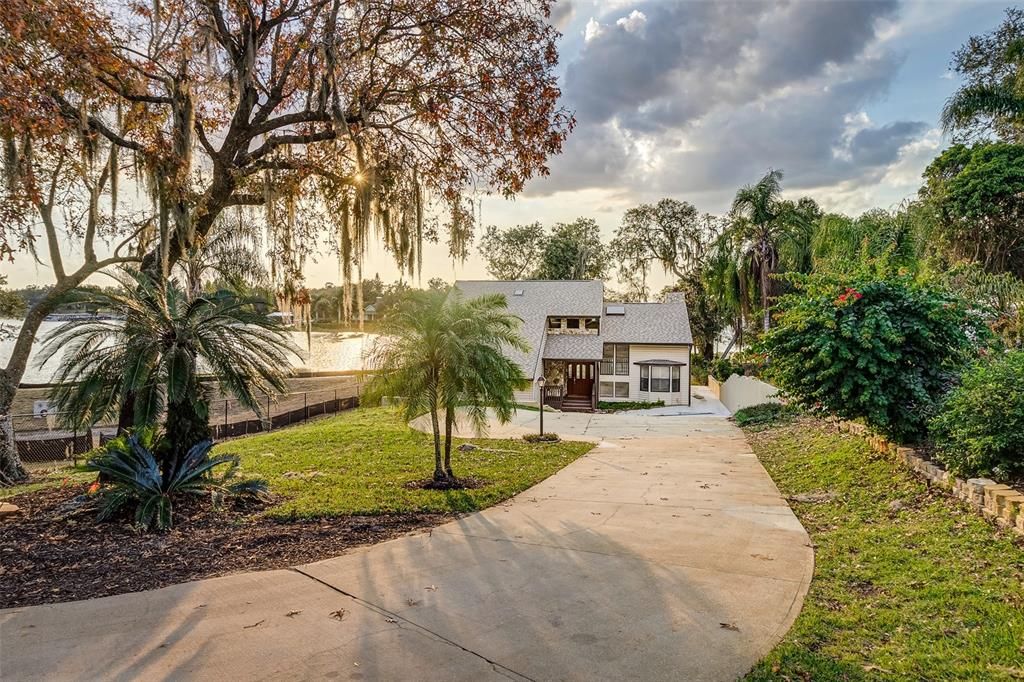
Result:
{"points": [[691, 100]]}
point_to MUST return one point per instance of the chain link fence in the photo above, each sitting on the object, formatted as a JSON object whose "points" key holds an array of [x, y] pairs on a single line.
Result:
{"points": [[41, 437]]}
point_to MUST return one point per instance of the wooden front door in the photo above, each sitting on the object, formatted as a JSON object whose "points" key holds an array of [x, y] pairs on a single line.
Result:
{"points": [[579, 379]]}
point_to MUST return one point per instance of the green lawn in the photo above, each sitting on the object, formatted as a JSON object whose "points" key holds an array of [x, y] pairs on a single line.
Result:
{"points": [[63, 476], [908, 584], [359, 462]]}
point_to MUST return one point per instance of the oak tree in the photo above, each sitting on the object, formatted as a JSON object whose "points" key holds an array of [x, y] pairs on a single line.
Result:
{"points": [[365, 117]]}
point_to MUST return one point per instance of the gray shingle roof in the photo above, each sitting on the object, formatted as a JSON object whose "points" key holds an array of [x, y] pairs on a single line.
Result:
{"points": [[574, 347], [539, 300], [659, 323]]}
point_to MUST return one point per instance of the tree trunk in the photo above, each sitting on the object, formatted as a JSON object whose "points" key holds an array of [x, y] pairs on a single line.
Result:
{"points": [[436, 427], [11, 469], [187, 424], [449, 418], [764, 296]]}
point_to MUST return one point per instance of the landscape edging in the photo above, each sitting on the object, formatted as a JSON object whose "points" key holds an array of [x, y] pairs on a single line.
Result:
{"points": [[996, 501]]}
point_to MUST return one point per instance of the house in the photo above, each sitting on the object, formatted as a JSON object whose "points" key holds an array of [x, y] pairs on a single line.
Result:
{"points": [[371, 311], [590, 350]]}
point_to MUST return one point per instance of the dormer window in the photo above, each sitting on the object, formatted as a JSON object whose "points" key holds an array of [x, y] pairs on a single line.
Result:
{"points": [[574, 325]]}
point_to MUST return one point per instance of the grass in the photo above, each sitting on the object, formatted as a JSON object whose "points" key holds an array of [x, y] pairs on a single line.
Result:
{"points": [[908, 583], [361, 461], [52, 479]]}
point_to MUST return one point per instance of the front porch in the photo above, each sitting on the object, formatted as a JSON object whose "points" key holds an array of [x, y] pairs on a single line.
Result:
{"points": [[570, 385]]}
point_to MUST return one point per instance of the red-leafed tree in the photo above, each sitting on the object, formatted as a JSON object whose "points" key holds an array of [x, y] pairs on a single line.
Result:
{"points": [[366, 116]]}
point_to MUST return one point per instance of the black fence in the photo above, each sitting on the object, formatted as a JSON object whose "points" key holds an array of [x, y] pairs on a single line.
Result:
{"points": [[40, 437]]}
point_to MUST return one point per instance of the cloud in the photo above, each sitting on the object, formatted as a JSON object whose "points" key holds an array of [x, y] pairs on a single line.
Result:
{"points": [[562, 13], [634, 23], [691, 98]]}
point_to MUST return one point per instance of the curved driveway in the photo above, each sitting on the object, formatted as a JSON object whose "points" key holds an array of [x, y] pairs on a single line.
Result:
{"points": [[665, 553]]}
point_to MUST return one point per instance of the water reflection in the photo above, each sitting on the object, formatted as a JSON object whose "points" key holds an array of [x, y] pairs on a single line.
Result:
{"points": [[325, 351]]}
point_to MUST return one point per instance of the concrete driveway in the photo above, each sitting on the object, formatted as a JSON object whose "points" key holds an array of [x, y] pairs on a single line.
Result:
{"points": [[666, 553]]}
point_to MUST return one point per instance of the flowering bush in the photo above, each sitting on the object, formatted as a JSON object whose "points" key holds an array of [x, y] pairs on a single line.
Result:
{"points": [[884, 350], [980, 428]]}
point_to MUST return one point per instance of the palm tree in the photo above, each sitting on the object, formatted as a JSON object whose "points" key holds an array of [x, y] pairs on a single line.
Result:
{"points": [[770, 228], [230, 254], [441, 352], [155, 357], [993, 96]]}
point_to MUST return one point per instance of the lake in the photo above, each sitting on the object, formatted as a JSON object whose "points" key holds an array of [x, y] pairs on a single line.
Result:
{"points": [[325, 351]]}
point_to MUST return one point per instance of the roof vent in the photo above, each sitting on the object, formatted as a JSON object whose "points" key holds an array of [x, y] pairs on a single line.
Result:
{"points": [[616, 310], [517, 292]]}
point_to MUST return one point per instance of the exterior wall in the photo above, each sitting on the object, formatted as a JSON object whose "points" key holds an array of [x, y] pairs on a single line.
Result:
{"points": [[526, 397], [644, 352], [738, 392], [715, 387]]}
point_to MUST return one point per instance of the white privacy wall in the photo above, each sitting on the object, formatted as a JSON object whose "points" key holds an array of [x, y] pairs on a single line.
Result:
{"points": [[645, 352], [738, 392]]}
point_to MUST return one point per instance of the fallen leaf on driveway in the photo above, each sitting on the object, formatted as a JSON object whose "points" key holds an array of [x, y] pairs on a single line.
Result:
{"points": [[729, 626], [431, 588], [292, 614], [255, 625], [390, 620], [338, 615]]}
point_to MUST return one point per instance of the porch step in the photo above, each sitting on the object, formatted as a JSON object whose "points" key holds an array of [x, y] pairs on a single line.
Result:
{"points": [[576, 405]]}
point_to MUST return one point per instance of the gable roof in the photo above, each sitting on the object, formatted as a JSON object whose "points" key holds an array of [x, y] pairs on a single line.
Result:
{"points": [[655, 323], [539, 299]]}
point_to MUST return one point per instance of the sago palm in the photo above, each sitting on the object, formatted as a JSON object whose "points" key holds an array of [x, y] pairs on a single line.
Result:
{"points": [[154, 359], [438, 352]]}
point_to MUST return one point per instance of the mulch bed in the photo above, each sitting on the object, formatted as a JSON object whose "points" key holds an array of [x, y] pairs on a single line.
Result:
{"points": [[47, 556]]}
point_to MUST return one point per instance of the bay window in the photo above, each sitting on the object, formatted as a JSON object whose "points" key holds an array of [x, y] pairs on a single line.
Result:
{"points": [[660, 378]]}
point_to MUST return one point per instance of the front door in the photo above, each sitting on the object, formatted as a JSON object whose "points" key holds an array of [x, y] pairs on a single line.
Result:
{"points": [[579, 379]]}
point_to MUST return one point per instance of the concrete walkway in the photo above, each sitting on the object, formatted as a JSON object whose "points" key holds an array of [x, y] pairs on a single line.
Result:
{"points": [[665, 553]]}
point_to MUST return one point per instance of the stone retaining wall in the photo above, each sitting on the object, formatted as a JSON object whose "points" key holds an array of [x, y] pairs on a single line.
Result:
{"points": [[996, 501]]}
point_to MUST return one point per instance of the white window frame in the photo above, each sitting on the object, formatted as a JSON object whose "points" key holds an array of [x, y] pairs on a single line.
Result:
{"points": [[669, 378]]}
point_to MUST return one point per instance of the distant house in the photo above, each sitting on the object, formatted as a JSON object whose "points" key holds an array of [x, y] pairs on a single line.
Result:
{"points": [[589, 350], [371, 311]]}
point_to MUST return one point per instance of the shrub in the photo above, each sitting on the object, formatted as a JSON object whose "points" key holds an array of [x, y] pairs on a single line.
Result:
{"points": [[622, 405], [980, 427], [743, 363], [133, 478], [884, 350], [723, 368], [766, 413], [699, 370], [541, 438]]}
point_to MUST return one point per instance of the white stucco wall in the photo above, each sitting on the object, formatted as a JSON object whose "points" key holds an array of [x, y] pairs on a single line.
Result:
{"points": [[738, 392], [643, 352]]}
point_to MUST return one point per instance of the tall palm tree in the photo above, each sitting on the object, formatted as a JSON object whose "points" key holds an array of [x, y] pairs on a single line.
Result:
{"points": [[156, 356], [769, 228], [230, 254], [440, 352]]}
